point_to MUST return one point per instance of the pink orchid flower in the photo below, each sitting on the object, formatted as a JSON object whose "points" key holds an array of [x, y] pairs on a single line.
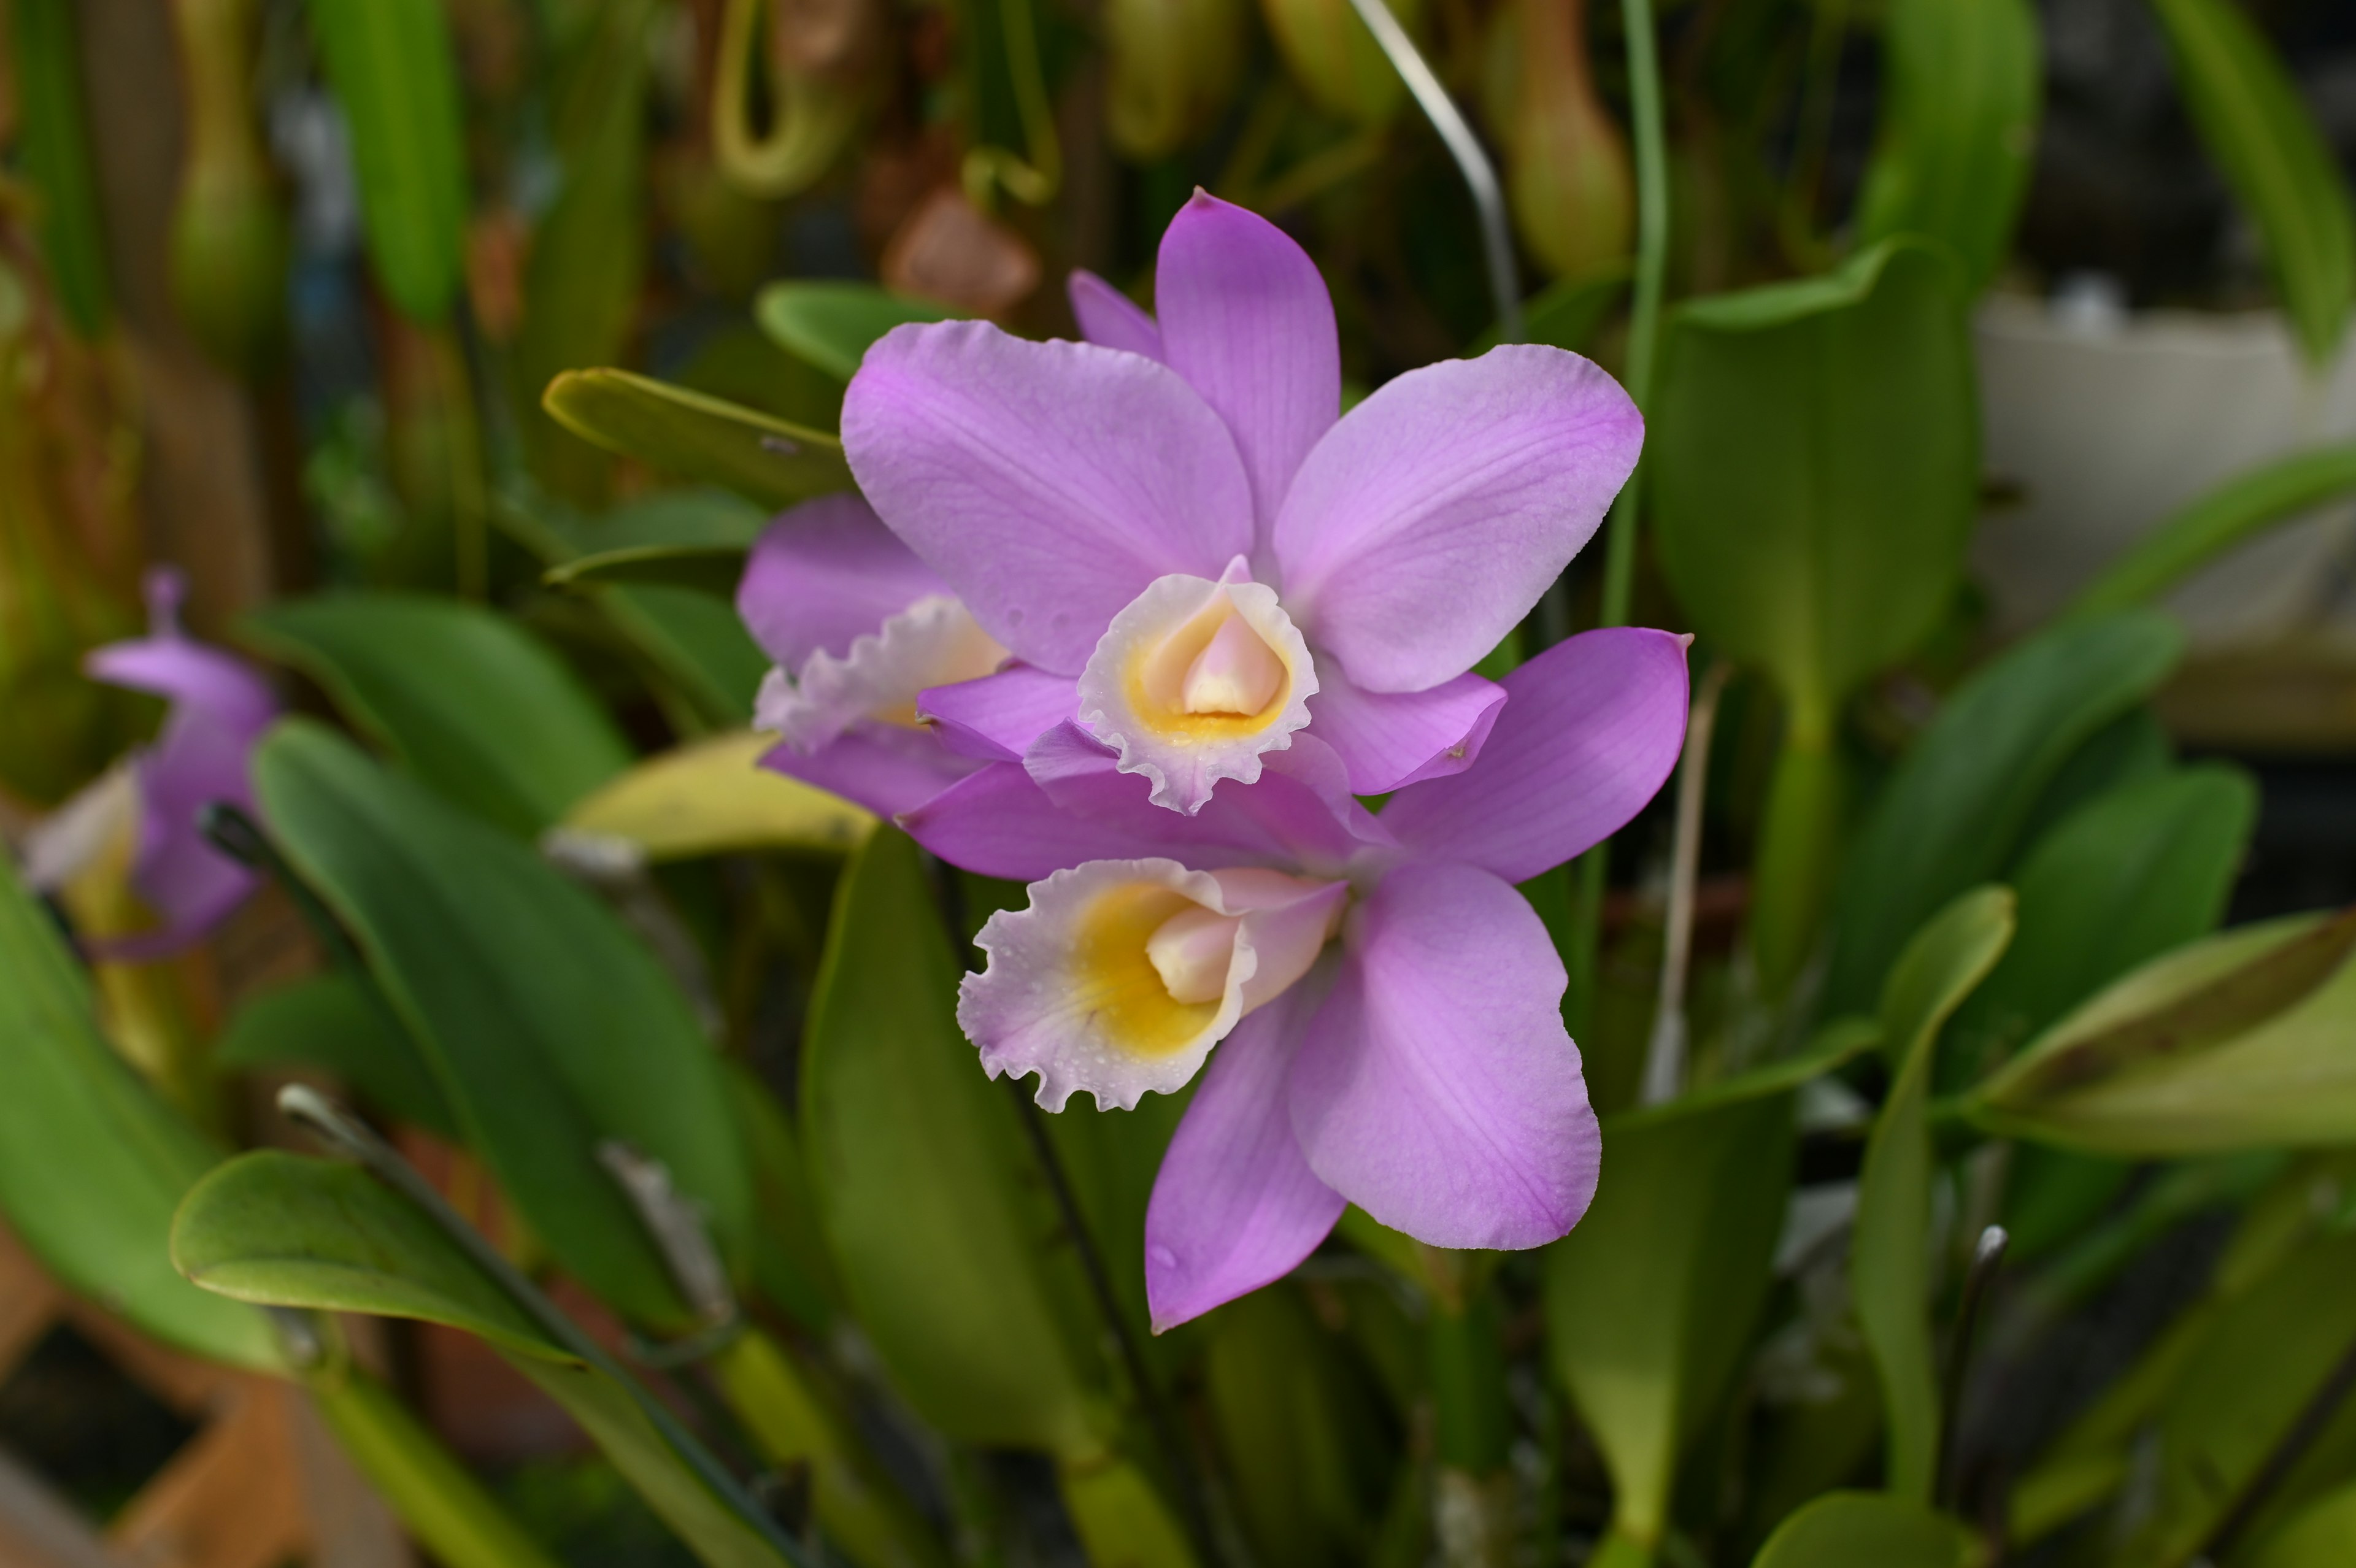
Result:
{"points": [[1189, 550], [221, 707], [1385, 1003]]}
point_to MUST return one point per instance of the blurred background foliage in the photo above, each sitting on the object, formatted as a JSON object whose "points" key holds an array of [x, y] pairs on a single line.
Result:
{"points": [[2000, 435]]}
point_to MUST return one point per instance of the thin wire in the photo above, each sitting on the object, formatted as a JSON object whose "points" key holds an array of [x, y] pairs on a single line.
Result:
{"points": [[354, 1139], [1472, 158]]}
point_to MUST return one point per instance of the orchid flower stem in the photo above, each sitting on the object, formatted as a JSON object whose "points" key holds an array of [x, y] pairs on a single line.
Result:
{"points": [[1472, 158], [1665, 1057], [1987, 1257], [1620, 532], [1175, 1457], [355, 1140]]}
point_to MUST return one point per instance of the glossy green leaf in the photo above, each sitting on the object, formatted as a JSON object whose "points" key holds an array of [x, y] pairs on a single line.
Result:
{"points": [[1963, 80], [707, 569], [790, 1264], [52, 139], [695, 436], [935, 1212], [550, 1027], [477, 708], [1815, 451], [1952, 813], [2258, 129], [1651, 1301], [2238, 1042], [437, 1496], [91, 1161], [830, 324], [2323, 1536], [339, 1023], [711, 797], [2141, 871], [389, 65], [1851, 1529], [284, 1231], [2246, 505], [1889, 1261]]}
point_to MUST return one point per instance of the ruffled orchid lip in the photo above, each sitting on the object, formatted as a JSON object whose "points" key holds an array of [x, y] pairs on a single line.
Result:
{"points": [[933, 642], [1194, 680], [1121, 976]]}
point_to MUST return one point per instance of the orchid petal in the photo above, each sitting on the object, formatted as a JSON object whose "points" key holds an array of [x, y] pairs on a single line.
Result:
{"points": [[997, 717], [1075, 994], [1592, 730], [1391, 738], [884, 768], [1426, 524], [1246, 319], [823, 575], [1109, 318], [880, 677], [1436, 1088], [1235, 1204], [1048, 482]]}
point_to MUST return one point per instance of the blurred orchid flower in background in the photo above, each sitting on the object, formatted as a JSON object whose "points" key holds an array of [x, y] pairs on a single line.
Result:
{"points": [[859, 627], [220, 705], [1389, 1003], [1194, 556]]}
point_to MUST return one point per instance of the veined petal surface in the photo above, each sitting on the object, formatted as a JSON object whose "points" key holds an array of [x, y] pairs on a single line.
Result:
{"points": [[1391, 738], [1109, 318], [1245, 317], [1590, 731], [1426, 524], [1047, 483], [1235, 1205], [824, 574], [997, 717], [879, 676], [1436, 1088]]}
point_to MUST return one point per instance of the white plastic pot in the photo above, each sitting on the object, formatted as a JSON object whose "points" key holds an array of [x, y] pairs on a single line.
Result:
{"points": [[2107, 422]]}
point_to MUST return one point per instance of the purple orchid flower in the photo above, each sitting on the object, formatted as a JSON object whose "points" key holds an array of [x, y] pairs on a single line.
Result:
{"points": [[859, 627], [1386, 1004], [220, 706], [1193, 555]]}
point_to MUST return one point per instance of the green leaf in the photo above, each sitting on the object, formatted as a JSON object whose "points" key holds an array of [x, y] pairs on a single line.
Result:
{"points": [[437, 1498], [1652, 1300], [1959, 127], [478, 709], [935, 1212], [830, 324], [1813, 445], [1888, 1250], [1837, 1043], [1851, 1529], [2256, 125], [91, 1162], [2323, 1536], [389, 63], [284, 1231], [53, 146], [1952, 813], [692, 435], [2251, 1375], [2140, 870], [2237, 1041], [551, 1029], [706, 568], [1119, 1518], [711, 797], [790, 1264], [340, 1023], [2247, 504]]}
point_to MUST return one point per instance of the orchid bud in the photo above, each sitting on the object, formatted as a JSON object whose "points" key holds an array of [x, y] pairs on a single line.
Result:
{"points": [[1567, 171], [1336, 59], [228, 229], [1174, 64]]}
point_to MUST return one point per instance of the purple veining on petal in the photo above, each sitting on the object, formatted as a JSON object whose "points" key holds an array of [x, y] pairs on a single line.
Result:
{"points": [[1109, 318], [1436, 1089]]}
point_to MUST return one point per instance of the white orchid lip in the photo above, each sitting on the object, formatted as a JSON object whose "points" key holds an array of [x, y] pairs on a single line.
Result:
{"points": [[934, 642], [1122, 975], [1195, 679]]}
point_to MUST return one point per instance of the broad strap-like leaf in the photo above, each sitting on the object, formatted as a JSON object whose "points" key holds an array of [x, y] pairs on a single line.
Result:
{"points": [[692, 435], [1852, 1529], [830, 324]]}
